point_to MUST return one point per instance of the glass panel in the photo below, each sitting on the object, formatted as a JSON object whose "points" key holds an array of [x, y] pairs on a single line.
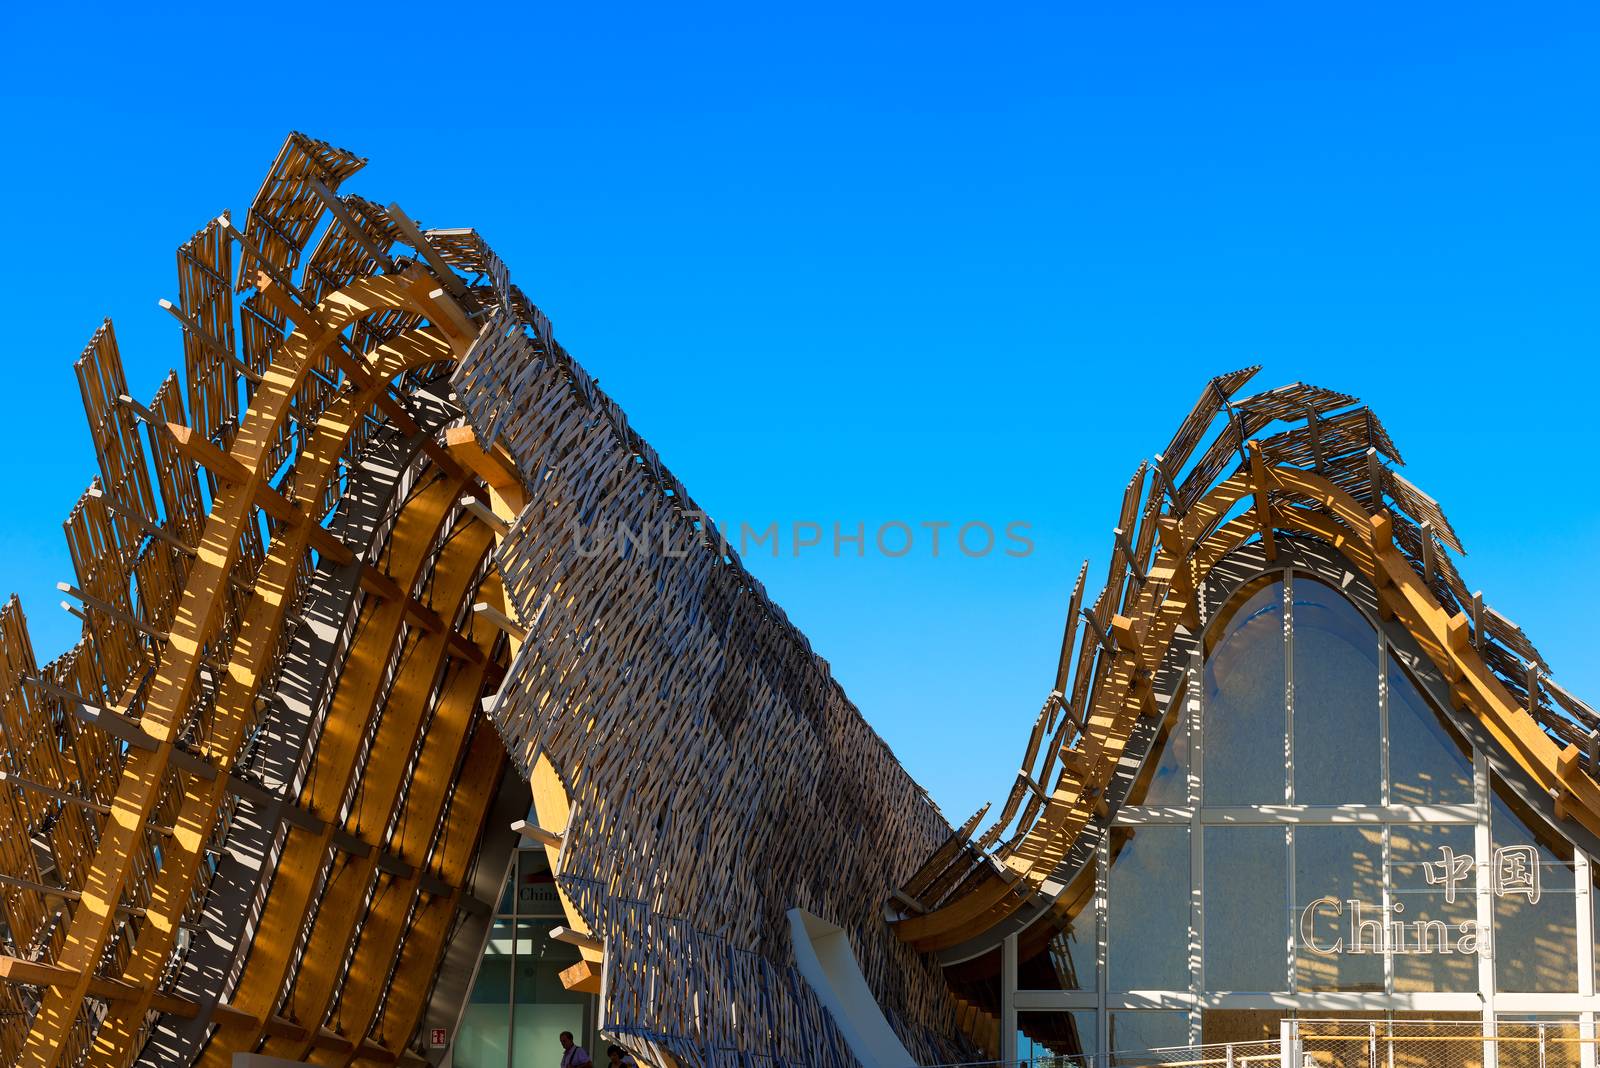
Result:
{"points": [[1243, 705], [1052, 1038], [1338, 755], [544, 1007], [1168, 782], [1147, 909], [1537, 1041], [1136, 1030], [1334, 866], [1434, 882], [1066, 962], [1535, 917], [1427, 764], [483, 1040], [536, 887], [1246, 908]]}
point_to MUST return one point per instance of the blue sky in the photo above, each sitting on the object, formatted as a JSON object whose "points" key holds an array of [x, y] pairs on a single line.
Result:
{"points": [[917, 264]]}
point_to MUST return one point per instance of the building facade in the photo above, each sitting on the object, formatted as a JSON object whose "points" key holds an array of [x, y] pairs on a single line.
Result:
{"points": [[366, 756], [519, 1007], [1314, 833]]}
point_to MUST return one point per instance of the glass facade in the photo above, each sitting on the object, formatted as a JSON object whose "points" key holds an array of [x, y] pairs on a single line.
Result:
{"points": [[1149, 932], [518, 1006], [1311, 837]]}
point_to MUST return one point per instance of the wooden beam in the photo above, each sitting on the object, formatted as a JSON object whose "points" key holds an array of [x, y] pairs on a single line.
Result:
{"points": [[583, 977], [170, 698], [552, 839], [415, 238], [108, 609], [494, 466], [142, 521], [1129, 555], [493, 615], [208, 341], [196, 448], [1263, 509], [50, 976], [485, 515], [577, 938], [350, 224], [355, 704]]}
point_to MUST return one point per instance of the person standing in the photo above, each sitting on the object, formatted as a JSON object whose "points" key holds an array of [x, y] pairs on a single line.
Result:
{"points": [[574, 1055]]}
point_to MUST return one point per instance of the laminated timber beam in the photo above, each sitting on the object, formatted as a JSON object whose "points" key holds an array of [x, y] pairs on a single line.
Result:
{"points": [[317, 462], [417, 240], [1263, 493], [203, 643], [111, 991], [394, 738], [403, 998], [507, 499], [355, 705], [376, 953], [171, 692], [584, 977], [494, 467]]}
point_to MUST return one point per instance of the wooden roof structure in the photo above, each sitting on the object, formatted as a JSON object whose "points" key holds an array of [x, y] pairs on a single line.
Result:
{"points": [[341, 625], [1222, 482], [252, 806], [326, 585]]}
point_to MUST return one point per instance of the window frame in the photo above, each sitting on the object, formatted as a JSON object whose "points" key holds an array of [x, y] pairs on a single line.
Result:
{"points": [[1485, 999]]}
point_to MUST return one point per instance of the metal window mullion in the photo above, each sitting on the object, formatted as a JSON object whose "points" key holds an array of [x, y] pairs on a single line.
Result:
{"points": [[1197, 871], [1288, 686], [1293, 903], [1008, 999], [1386, 893], [1584, 882], [1386, 797], [1290, 970], [1385, 794], [1102, 1025], [1483, 848], [511, 987], [1586, 977]]}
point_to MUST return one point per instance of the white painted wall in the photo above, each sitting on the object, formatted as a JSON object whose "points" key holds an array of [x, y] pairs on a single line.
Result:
{"points": [[825, 959]]}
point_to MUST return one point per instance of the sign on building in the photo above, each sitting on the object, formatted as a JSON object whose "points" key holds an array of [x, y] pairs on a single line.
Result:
{"points": [[1330, 927]]}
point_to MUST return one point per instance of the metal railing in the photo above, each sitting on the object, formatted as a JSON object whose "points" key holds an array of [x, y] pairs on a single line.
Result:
{"points": [[1354, 1043]]}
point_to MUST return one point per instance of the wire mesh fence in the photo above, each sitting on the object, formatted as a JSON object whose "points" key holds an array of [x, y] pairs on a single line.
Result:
{"points": [[1357, 1043], [1398, 1043], [1261, 1054]]}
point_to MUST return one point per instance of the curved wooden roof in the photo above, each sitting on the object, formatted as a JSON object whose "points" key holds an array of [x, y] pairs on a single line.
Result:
{"points": [[220, 812], [1326, 474]]}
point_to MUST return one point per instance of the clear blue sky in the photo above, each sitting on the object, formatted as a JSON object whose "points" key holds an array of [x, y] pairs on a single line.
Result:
{"points": [[925, 263]]}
